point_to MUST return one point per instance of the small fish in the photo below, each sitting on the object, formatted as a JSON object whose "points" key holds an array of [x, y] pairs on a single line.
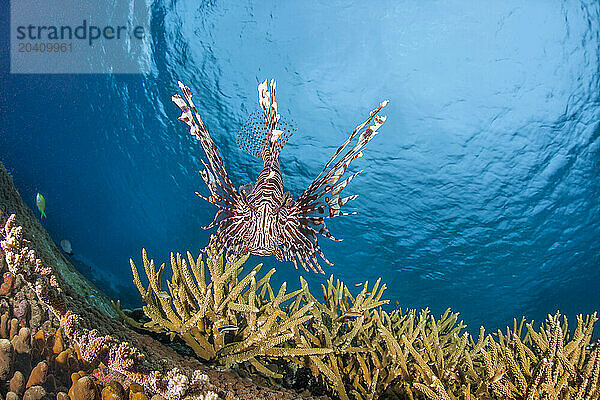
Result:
{"points": [[358, 284], [352, 314], [396, 303], [164, 295], [227, 328], [497, 377], [41, 204], [246, 189], [66, 246]]}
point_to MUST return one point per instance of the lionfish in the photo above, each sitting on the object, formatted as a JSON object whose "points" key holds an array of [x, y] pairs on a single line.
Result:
{"points": [[263, 219]]}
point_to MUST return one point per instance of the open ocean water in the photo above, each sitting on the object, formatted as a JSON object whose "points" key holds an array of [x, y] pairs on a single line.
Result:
{"points": [[481, 193]]}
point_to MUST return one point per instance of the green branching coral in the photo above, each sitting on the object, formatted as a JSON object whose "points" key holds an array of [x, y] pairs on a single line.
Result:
{"points": [[420, 354], [359, 350], [544, 364], [342, 323], [549, 363], [222, 316]]}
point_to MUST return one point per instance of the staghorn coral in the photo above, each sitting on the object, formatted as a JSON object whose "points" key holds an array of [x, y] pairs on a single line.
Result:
{"points": [[222, 316], [546, 364], [359, 350], [340, 339], [198, 305], [417, 352], [341, 323]]}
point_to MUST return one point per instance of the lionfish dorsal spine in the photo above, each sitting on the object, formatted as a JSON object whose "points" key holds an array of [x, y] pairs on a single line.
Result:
{"points": [[265, 133], [266, 98]]}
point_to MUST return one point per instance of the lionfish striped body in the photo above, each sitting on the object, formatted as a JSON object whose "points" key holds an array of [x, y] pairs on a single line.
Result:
{"points": [[263, 219]]}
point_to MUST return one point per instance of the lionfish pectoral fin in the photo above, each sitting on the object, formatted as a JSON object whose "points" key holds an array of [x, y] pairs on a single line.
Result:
{"points": [[322, 199], [300, 244], [278, 254], [231, 205], [214, 221]]}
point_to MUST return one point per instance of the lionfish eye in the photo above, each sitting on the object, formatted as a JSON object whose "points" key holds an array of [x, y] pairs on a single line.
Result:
{"points": [[246, 189], [321, 210], [287, 199]]}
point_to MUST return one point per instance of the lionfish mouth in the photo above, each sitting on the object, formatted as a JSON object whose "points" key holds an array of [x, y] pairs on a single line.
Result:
{"points": [[297, 229], [262, 252]]}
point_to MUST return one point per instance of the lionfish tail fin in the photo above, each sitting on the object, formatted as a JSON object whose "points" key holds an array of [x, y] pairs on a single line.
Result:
{"points": [[252, 135], [264, 131]]}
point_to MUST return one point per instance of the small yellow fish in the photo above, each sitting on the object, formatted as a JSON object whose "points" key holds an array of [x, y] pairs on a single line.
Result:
{"points": [[499, 375], [41, 204]]}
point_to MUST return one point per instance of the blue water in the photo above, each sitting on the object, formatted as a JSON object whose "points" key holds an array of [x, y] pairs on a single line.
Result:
{"points": [[482, 192]]}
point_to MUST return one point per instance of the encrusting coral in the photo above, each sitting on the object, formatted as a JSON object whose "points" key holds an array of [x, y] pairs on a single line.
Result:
{"points": [[359, 350], [93, 348], [36, 360]]}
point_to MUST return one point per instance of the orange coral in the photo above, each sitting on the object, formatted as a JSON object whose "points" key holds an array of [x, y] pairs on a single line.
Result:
{"points": [[93, 347], [6, 286]]}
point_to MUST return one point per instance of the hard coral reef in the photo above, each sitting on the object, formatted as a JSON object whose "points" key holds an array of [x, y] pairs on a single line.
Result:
{"points": [[229, 319], [92, 348], [359, 350]]}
